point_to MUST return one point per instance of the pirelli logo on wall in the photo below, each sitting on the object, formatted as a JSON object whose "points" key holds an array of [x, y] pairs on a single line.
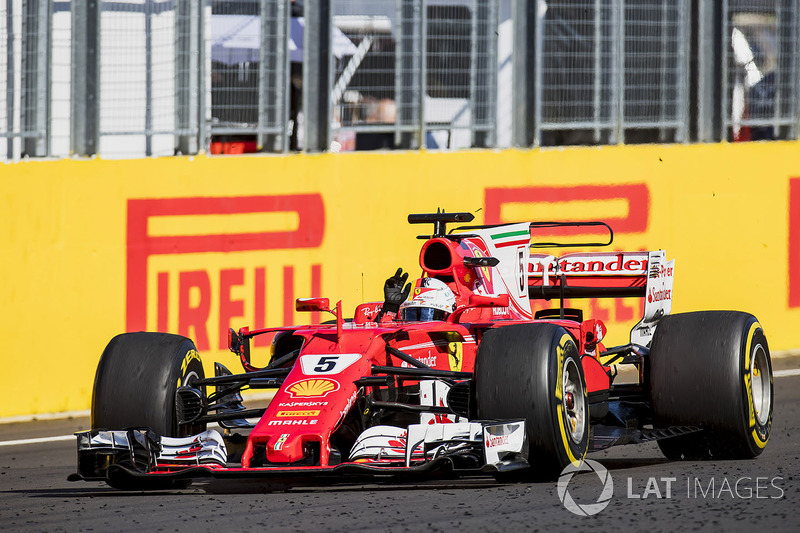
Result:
{"points": [[165, 232]]}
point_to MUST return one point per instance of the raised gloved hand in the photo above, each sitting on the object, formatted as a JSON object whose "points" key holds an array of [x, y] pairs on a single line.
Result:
{"points": [[394, 292]]}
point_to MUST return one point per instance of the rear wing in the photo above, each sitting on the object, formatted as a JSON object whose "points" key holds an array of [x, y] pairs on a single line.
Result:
{"points": [[607, 275], [590, 275]]}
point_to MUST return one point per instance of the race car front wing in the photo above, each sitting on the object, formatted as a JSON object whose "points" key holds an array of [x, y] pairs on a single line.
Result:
{"points": [[483, 446]]}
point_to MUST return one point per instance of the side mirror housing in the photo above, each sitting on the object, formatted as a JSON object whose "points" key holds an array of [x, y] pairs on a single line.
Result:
{"points": [[234, 341], [500, 300], [312, 304]]}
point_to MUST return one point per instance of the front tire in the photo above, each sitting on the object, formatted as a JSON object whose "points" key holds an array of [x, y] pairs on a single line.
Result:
{"points": [[134, 387], [533, 371], [712, 369]]}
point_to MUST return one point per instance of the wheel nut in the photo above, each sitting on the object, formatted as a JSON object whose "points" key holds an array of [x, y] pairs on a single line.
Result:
{"points": [[570, 400]]}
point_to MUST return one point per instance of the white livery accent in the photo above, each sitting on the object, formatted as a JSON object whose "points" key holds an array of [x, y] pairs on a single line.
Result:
{"points": [[658, 297], [511, 245], [203, 448], [501, 443], [438, 438], [382, 444], [434, 393], [503, 439]]}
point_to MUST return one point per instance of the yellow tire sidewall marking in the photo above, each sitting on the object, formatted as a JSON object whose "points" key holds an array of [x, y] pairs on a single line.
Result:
{"points": [[190, 356], [560, 350], [748, 384]]}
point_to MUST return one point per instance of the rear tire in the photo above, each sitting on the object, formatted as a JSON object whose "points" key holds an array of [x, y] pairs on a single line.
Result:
{"points": [[134, 387], [525, 371], [712, 369]]}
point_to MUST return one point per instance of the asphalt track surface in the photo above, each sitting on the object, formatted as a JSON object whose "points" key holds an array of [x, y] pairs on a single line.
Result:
{"points": [[758, 495]]}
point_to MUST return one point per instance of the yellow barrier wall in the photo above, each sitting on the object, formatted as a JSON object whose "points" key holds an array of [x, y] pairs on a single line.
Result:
{"points": [[193, 245]]}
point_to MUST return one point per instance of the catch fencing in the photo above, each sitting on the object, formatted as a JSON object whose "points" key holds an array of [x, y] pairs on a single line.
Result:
{"points": [[133, 78]]}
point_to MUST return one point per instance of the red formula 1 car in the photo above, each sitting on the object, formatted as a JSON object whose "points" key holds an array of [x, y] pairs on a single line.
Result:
{"points": [[464, 378]]}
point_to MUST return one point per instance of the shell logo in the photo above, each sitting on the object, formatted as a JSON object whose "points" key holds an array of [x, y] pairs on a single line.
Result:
{"points": [[313, 387]]}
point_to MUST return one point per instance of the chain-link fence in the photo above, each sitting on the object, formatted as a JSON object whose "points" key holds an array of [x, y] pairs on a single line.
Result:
{"points": [[137, 77], [60, 80], [413, 73], [249, 73], [762, 76], [612, 71], [24, 61], [131, 78]]}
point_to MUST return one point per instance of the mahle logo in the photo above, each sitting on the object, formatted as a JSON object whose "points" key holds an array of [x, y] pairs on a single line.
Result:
{"points": [[585, 509]]}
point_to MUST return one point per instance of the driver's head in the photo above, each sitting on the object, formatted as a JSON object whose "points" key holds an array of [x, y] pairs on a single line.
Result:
{"points": [[430, 299]]}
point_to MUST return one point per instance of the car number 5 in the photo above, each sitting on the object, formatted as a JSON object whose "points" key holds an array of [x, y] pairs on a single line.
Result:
{"points": [[327, 364]]}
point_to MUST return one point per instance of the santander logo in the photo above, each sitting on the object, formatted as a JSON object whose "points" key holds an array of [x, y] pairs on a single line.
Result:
{"points": [[609, 264], [496, 440], [657, 296]]}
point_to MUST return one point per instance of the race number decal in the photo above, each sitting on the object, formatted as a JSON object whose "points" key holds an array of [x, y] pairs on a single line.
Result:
{"points": [[327, 364]]}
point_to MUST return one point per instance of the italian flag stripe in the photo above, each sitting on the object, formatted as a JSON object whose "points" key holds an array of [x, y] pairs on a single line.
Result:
{"points": [[511, 238], [504, 244], [509, 234]]}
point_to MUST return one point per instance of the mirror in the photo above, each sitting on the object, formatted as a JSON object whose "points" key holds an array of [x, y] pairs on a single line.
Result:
{"points": [[312, 304], [500, 300]]}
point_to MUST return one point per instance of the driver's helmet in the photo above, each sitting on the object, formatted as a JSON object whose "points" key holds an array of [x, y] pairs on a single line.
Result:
{"points": [[430, 299]]}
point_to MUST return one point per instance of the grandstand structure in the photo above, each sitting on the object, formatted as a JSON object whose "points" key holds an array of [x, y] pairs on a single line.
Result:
{"points": [[140, 78]]}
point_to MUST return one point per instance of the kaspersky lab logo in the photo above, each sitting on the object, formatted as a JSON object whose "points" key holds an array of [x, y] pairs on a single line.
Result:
{"points": [[585, 509]]}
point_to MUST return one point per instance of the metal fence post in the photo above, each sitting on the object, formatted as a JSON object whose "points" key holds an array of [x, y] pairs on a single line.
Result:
{"points": [[35, 97], [711, 66], [525, 73], [203, 77], [10, 78], [148, 83], [317, 75], [597, 65], [682, 132], [408, 69], [422, 87], [272, 73], [187, 81], [483, 61], [85, 98], [618, 129], [786, 104], [794, 132]]}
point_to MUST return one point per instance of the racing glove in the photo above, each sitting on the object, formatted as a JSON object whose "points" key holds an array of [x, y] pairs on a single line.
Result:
{"points": [[394, 293]]}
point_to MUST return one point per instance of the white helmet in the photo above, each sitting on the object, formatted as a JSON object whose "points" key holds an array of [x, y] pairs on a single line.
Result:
{"points": [[430, 299]]}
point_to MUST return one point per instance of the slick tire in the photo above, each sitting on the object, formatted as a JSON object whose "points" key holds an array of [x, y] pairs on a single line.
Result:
{"points": [[526, 371], [712, 370], [135, 385]]}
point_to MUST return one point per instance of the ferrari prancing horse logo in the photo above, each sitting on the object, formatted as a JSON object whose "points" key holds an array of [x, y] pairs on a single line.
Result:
{"points": [[455, 356]]}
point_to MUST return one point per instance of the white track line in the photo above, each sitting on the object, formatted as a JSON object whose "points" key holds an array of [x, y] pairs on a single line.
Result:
{"points": [[36, 441], [777, 374]]}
